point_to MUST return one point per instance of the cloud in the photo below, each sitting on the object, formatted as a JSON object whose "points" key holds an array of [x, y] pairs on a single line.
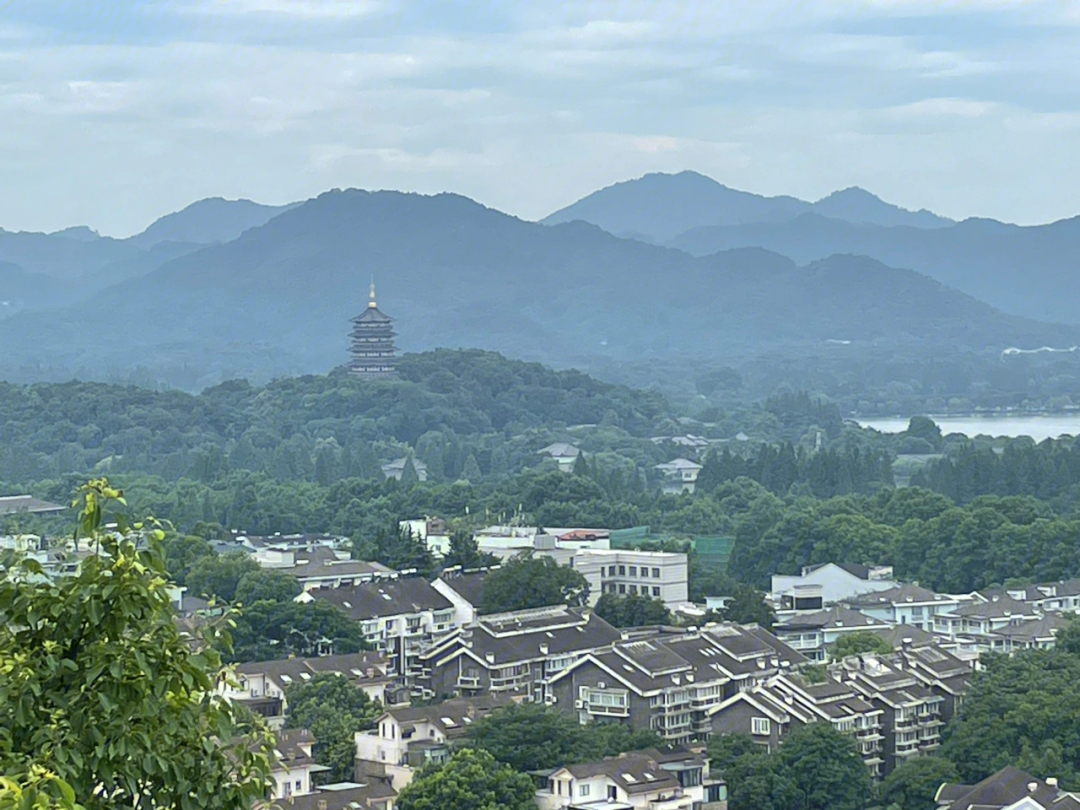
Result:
{"points": [[298, 9], [936, 107]]}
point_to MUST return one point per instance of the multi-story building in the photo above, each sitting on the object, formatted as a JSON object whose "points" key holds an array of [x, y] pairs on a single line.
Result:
{"points": [[465, 590], [1040, 634], [905, 604], [669, 682], [321, 567], [261, 685], [770, 710], [407, 738], [517, 653], [293, 765], [402, 618], [838, 582], [1008, 789], [679, 475], [979, 618], [813, 632], [636, 780], [654, 574]]}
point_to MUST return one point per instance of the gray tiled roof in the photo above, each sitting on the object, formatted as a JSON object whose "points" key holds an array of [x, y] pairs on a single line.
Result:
{"points": [[363, 795], [999, 790], [392, 597], [354, 666]]}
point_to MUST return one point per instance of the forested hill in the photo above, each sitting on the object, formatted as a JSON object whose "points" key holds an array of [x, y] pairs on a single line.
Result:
{"points": [[446, 406], [278, 299]]}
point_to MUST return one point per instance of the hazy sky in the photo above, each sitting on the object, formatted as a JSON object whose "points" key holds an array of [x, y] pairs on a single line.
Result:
{"points": [[114, 113]]}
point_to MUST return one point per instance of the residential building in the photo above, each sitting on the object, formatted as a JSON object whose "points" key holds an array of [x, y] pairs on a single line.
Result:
{"points": [[374, 794], [771, 709], [980, 617], [813, 632], [1039, 634], [636, 780], [656, 574], [433, 531], [261, 685], [905, 604], [668, 682], [679, 475], [1008, 789], [563, 454], [373, 353], [401, 617], [1045, 597], [464, 589], [517, 652], [320, 567], [293, 765], [12, 504], [839, 582], [396, 468], [406, 738]]}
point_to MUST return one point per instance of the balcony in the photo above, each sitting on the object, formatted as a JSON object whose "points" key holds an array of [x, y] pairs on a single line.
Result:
{"points": [[515, 682], [674, 801], [868, 734], [608, 711], [468, 682]]}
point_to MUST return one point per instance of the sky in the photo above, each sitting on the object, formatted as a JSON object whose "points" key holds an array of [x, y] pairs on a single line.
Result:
{"points": [[115, 113]]}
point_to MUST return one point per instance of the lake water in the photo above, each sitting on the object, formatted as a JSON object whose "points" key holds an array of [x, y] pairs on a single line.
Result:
{"points": [[1037, 427]]}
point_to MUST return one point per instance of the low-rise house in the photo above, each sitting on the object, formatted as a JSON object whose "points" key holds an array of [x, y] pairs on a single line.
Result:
{"points": [[906, 604], [656, 574], [980, 617], [320, 567], [261, 685], [563, 454], [636, 780], [1039, 634], [517, 652], [1047, 596], [669, 682], [396, 468], [401, 617], [373, 794], [813, 632], [13, 504], [838, 582], [293, 765], [679, 475], [407, 738], [1008, 789]]}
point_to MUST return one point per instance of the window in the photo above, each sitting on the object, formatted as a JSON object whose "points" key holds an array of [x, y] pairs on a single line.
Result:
{"points": [[759, 725], [299, 785], [656, 573], [622, 570], [583, 790], [633, 589], [633, 570], [611, 571], [655, 591], [622, 588]]}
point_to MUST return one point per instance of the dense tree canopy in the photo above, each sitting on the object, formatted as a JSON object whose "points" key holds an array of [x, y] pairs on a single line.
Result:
{"points": [[470, 780], [100, 689], [532, 736], [915, 782], [858, 643], [333, 710], [631, 610], [526, 581]]}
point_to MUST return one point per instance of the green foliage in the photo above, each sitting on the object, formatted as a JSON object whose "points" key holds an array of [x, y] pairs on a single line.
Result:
{"points": [[270, 630], [526, 581], [631, 610], [398, 548], [102, 701], [915, 782], [815, 768], [859, 642], [532, 736], [464, 552], [219, 575], [470, 780], [181, 552], [266, 586], [332, 709], [1022, 710]]}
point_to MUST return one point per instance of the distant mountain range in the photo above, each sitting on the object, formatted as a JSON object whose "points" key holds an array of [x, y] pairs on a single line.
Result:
{"points": [[659, 207], [277, 299]]}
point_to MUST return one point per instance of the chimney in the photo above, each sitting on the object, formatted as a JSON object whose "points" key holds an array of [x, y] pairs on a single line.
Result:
{"points": [[1032, 787], [544, 649], [1052, 781], [490, 657], [906, 643], [322, 804]]}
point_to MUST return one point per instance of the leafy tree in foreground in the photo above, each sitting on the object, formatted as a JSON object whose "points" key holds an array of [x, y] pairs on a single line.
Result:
{"points": [[913, 785], [526, 581], [631, 610], [858, 643], [100, 691], [470, 780], [333, 710]]}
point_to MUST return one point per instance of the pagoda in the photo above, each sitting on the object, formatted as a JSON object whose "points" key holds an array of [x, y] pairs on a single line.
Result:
{"points": [[373, 351]]}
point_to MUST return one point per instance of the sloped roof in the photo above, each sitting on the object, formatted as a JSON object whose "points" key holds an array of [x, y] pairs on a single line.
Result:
{"points": [[999, 790], [469, 585], [560, 450], [997, 608], [27, 503], [834, 618], [354, 666], [384, 598], [906, 593]]}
